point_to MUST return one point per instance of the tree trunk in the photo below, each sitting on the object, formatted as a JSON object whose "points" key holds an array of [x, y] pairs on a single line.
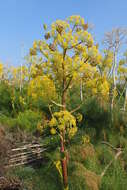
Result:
{"points": [[125, 101], [21, 78], [64, 162], [113, 86], [81, 90], [114, 81], [64, 157]]}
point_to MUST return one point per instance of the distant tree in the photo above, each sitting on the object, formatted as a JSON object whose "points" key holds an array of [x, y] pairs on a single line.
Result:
{"points": [[122, 77], [113, 41]]}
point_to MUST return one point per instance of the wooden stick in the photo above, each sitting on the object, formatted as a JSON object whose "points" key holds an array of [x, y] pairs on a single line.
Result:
{"points": [[106, 168], [23, 163], [25, 157], [25, 153], [76, 109], [26, 147], [111, 146]]}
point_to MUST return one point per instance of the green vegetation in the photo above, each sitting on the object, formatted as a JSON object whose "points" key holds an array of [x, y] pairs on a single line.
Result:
{"points": [[64, 97]]}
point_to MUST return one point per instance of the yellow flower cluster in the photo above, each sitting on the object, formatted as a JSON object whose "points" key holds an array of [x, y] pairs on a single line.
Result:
{"points": [[85, 139], [41, 87], [61, 121], [67, 39], [53, 131], [79, 117], [1, 69], [84, 36], [94, 54], [22, 100], [76, 19], [103, 87], [59, 24], [40, 128]]}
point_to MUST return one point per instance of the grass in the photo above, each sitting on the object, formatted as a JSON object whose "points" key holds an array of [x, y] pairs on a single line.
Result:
{"points": [[43, 178], [85, 166], [87, 160]]}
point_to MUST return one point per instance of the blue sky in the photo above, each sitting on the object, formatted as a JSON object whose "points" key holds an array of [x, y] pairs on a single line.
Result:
{"points": [[21, 21]]}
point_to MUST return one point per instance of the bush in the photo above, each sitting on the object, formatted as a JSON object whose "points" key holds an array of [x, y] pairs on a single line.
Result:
{"points": [[42, 178], [115, 178], [80, 153], [80, 178], [28, 120], [8, 121], [119, 120], [5, 99], [95, 116]]}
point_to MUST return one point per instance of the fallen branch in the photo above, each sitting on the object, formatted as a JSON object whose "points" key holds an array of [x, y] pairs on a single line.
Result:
{"points": [[111, 146], [110, 163], [76, 109]]}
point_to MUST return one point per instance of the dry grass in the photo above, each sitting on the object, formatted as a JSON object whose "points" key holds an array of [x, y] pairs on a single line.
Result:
{"points": [[81, 152], [84, 178], [5, 146]]}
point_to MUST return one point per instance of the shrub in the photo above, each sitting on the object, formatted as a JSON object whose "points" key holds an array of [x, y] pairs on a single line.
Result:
{"points": [[5, 99], [95, 116], [80, 153], [119, 120], [42, 178], [115, 178], [81, 178], [28, 120]]}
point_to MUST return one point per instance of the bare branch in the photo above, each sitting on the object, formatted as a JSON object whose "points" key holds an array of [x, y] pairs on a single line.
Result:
{"points": [[110, 145], [57, 104], [110, 163], [67, 86], [114, 39], [50, 110], [75, 45], [76, 109], [73, 27]]}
